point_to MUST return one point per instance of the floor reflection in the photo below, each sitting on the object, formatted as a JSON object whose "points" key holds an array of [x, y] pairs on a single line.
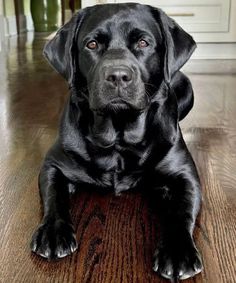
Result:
{"points": [[29, 102]]}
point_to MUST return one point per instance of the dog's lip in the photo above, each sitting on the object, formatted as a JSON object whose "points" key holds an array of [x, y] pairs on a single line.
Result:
{"points": [[117, 101], [117, 104]]}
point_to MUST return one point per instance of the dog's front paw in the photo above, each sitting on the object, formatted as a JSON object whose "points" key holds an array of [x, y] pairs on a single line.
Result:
{"points": [[180, 261], [54, 239]]}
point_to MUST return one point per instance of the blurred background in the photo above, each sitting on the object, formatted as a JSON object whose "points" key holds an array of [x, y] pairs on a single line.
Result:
{"points": [[19, 16], [212, 23]]}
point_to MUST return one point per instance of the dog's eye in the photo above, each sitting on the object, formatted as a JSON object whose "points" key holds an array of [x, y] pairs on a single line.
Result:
{"points": [[142, 43], [92, 45]]}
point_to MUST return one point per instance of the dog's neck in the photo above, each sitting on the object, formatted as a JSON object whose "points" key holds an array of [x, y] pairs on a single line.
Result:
{"points": [[108, 130]]}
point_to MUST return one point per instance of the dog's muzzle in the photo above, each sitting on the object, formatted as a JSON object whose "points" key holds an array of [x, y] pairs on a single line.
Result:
{"points": [[118, 86]]}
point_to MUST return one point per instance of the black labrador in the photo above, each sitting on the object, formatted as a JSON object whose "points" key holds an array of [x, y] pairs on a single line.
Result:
{"points": [[119, 128]]}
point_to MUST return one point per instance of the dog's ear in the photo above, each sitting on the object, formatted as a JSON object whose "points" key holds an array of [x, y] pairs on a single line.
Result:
{"points": [[179, 45], [60, 51]]}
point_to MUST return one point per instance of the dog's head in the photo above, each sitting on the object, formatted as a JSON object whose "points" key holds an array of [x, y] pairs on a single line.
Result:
{"points": [[120, 53]]}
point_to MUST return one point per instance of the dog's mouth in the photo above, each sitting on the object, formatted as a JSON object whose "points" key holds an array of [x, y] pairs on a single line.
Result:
{"points": [[119, 105], [110, 101]]}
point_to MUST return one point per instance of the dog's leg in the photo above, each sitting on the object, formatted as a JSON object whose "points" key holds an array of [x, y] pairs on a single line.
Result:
{"points": [[176, 256], [55, 237]]}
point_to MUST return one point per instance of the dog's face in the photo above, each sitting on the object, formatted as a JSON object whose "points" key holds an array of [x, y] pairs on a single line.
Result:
{"points": [[120, 57], [121, 52]]}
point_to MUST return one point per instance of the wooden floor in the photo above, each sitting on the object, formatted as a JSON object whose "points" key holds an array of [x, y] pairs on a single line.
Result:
{"points": [[116, 235]]}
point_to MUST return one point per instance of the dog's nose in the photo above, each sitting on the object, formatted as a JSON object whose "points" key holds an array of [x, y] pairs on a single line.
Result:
{"points": [[119, 76]]}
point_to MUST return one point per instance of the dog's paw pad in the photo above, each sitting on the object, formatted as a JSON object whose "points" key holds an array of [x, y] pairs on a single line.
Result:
{"points": [[181, 263], [189, 264], [54, 240], [163, 264]]}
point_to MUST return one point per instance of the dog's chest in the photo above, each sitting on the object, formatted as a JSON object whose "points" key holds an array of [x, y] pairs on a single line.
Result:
{"points": [[118, 150], [121, 168]]}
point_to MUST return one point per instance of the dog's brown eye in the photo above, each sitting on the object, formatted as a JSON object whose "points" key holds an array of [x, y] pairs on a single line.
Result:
{"points": [[142, 43], [92, 44]]}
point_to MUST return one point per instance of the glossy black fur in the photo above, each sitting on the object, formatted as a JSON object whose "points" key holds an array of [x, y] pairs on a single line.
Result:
{"points": [[123, 133]]}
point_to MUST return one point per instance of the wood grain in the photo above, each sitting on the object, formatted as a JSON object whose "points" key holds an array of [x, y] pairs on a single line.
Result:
{"points": [[116, 235]]}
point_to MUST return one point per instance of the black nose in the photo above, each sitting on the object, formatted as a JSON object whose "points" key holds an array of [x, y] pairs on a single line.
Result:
{"points": [[121, 76]]}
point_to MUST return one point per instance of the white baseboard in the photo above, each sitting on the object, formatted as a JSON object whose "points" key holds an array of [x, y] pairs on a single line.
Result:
{"points": [[210, 66], [215, 51], [10, 26]]}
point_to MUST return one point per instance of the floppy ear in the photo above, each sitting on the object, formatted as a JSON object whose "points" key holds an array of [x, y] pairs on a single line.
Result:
{"points": [[60, 50], [179, 45]]}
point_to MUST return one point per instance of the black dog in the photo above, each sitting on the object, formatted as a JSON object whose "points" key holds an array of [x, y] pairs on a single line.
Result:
{"points": [[120, 126]]}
